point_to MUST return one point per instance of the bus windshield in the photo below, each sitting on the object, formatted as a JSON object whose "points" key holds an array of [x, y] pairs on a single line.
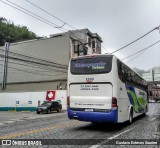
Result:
{"points": [[94, 65]]}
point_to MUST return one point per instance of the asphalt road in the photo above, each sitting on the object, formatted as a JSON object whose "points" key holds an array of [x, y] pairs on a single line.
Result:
{"points": [[20, 125]]}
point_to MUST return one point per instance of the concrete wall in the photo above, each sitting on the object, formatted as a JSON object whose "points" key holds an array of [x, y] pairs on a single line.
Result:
{"points": [[52, 49], [25, 76], [56, 49], [33, 87], [8, 100]]}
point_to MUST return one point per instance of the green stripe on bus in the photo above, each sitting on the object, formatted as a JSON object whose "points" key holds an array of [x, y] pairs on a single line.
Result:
{"points": [[134, 100], [142, 102]]}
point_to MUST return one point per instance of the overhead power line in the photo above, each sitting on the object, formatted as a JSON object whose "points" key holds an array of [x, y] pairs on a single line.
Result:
{"points": [[64, 23], [50, 14], [55, 25], [135, 40], [48, 22], [135, 57], [37, 61], [159, 29], [34, 16], [41, 64], [22, 70], [41, 19], [52, 67], [105, 49], [61, 27], [45, 69], [144, 49], [138, 54], [41, 61], [24, 55], [75, 28]]}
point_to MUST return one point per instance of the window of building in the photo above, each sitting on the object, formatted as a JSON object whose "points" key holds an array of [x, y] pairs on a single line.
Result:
{"points": [[89, 41], [93, 44], [75, 48], [98, 46]]}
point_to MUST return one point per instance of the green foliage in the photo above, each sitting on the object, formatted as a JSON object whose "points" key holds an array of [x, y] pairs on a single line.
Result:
{"points": [[12, 33]]}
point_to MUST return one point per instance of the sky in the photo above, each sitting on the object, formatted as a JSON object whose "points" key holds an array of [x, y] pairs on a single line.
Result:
{"points": [[118, 22]]}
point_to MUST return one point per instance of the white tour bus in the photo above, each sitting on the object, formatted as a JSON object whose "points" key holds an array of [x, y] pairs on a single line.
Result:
{"points": [[101, 88]]}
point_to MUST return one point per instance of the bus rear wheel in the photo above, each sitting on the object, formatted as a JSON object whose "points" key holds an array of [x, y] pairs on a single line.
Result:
{"points": [[130, 121], [146, 109]]}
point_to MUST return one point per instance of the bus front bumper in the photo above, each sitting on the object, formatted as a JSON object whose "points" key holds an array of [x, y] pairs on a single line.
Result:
{"points": [[111, 117]]}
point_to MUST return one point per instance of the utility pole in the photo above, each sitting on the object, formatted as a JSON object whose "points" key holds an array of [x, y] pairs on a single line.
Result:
{"points": [[153, 74], [5, 65], [78, 50]]}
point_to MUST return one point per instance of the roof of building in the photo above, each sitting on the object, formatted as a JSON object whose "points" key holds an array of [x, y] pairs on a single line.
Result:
{"points": [[93, 35], [86, 30]]}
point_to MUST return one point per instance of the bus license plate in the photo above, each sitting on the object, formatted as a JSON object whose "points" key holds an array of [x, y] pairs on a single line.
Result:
{"points": [[89, 110]]}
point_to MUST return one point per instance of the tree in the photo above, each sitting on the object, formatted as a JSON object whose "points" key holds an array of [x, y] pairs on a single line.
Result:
{"points": [[13, 33]]}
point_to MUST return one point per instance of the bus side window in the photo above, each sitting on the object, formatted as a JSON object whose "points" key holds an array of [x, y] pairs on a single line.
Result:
{"points": [[120, 70]]}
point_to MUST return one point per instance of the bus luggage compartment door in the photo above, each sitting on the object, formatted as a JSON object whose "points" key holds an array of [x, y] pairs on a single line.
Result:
{"points": [[91, 97]]}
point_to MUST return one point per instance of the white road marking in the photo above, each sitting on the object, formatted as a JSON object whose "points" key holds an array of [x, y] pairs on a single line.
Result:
{"points": [[9, 121], [95, 146], [153, 119], [113, 137]]}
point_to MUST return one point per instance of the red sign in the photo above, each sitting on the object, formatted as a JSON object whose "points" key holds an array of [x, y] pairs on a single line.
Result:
{"points": [[50, 95]]}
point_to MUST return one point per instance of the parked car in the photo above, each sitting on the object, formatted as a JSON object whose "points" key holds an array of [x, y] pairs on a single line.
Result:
{"points": [[49, 107]]}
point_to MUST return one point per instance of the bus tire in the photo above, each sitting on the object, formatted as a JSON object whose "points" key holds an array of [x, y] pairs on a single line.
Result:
{"points": [[130, 120], [146, 109]]}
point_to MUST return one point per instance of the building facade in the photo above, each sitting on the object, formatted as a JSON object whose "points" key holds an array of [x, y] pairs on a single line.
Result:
{"points": [[152, 75], [41, 64]]}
